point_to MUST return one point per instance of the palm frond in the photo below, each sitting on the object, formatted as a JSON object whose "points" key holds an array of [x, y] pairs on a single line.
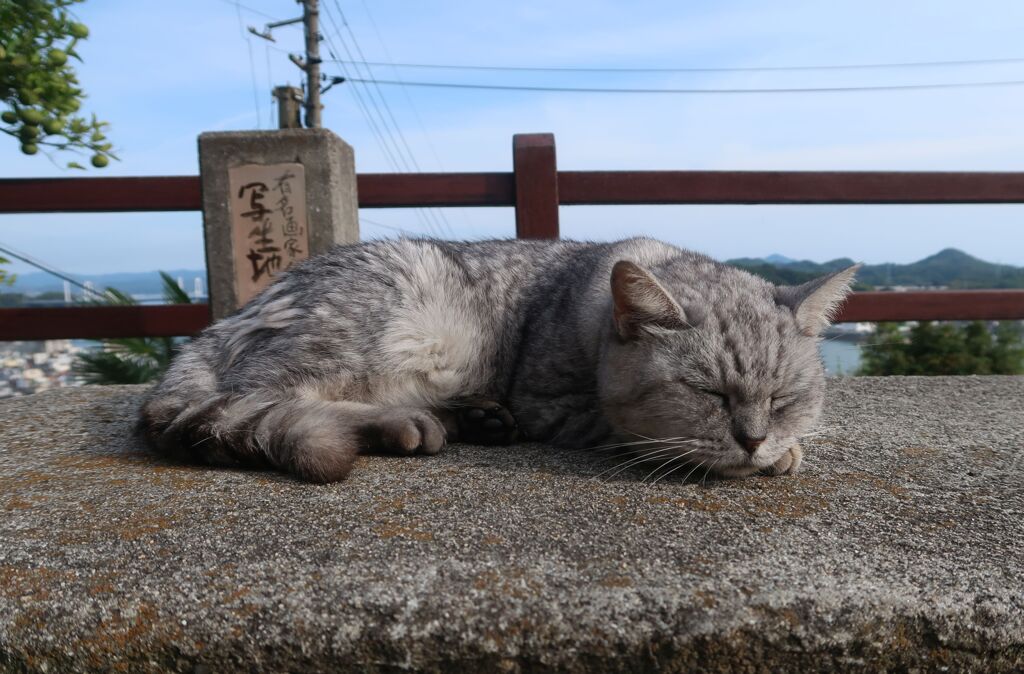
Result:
{"points": [[131, 360], [173, 294], [110, 367]]}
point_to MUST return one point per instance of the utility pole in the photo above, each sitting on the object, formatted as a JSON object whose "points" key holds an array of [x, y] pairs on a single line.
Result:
{"points": [[311, 25], [310, 66]]}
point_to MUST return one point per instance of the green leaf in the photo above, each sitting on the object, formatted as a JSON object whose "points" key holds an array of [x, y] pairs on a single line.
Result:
{"points": [[173, 294]]}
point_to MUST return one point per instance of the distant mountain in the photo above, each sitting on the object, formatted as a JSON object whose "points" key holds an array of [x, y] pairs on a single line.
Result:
{"points": [[133, 283], [950, 267]]}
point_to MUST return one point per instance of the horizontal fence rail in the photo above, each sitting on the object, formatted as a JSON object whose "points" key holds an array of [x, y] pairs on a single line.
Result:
{"points": [[106, 195], [787, 187], [92, 322], [574, 188], [536, 189], [190, 319]]}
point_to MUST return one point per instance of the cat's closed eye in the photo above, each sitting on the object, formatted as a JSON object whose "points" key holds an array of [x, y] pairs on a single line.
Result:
{"points": [[782, 401], [721, 397]]}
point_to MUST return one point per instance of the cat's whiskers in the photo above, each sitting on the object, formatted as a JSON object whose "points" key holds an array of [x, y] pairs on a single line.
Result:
{"points": [[632, 449], [618, 468], [709, 469], [600, 448], [653, 455], [669, 472], [646, 455], [671, 459], [693, 471]]}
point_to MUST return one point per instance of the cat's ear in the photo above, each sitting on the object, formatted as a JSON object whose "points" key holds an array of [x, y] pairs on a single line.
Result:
{"points": [[815, 303], [638, 300]]}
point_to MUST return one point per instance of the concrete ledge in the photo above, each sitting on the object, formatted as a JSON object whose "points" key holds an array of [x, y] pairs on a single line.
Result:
{"points": [[900, 547]]}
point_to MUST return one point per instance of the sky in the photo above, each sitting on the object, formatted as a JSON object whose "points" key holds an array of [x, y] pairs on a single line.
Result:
{"points": [[161, 73]]}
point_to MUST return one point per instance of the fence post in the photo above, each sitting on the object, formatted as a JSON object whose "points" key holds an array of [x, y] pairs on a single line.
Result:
{"points": [[271, 198], [536, 178]]}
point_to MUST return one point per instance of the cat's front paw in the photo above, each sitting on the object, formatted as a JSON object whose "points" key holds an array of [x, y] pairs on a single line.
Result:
{"points": [[405, 431], [788, 463], [485, 422]]}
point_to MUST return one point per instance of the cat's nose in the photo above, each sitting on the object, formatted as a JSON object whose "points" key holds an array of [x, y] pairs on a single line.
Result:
{"points": [[748, 443]]}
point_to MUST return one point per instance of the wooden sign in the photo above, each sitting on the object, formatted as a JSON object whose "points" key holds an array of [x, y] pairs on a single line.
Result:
{"points": [[269, 229]]}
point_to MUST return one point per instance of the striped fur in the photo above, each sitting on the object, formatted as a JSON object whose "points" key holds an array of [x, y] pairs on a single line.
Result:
{"points": [[371, 347]]}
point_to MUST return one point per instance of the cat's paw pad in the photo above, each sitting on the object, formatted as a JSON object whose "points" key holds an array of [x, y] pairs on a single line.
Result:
{"points": [[788, 463], [406, 432], [485, 422]]}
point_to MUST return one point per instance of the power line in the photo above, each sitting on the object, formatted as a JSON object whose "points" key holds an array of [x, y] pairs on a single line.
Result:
{"points": [[441, 221], [370, 119], [42, 266], [432, 225], [249, 9], [252, 66], [363, 108], [782, 90], [381, 224], [410, 101], [270, 87], [737, 69]]}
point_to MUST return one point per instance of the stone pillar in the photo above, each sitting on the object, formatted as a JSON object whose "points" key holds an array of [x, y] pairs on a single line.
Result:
{"points": [[270, 199]]}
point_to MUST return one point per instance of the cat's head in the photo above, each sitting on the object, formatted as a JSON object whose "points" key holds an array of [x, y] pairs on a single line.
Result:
{"points": [[721, 365]]}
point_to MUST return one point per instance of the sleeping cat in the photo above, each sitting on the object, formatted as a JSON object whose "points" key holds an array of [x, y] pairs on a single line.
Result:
{"points": [[401, 345]]}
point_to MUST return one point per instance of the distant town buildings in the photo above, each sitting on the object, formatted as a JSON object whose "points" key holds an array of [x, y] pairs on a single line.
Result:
{"points": [[31, 367]]}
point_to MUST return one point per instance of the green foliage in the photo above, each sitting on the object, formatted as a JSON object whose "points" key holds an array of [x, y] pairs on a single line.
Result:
{"points": [[134, 360], [6, 278], [39, 91], [945, 349]]}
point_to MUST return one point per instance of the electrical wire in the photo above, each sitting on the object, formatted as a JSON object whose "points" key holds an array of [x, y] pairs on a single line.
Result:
{"points": [[440, 221], [250, 9], [270, 87], [762, 90], [737, 69], [252, 66], [412, 106], [375, 223], [42, 266], [396, 157], [365, 110]]}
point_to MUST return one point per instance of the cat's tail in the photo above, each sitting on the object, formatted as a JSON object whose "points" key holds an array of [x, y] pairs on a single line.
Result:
{"points": [[187, 419]]}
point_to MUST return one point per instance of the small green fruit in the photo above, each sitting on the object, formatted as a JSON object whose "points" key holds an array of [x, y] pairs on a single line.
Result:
{"points": [[31, 116], [99, 160], [27, 133], [29, 148], [53, 126], [9, 117], [79, 30], [3, 52], [57, 57]]}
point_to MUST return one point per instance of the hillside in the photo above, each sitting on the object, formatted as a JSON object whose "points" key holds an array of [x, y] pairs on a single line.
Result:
{"points": [[950, 267]]}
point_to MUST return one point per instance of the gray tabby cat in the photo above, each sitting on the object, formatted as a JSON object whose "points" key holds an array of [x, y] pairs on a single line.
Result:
{"points": [[399, 345]]}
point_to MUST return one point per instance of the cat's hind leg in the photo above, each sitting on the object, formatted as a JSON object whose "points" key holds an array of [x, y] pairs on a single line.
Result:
{"points": [[316, 440]]}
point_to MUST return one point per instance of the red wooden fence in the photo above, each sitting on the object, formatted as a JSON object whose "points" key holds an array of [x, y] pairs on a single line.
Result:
{"points": [[535, 188]]}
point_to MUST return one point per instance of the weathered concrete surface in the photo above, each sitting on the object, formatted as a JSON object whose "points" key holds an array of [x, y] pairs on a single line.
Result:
{"points": [[900, 546]]}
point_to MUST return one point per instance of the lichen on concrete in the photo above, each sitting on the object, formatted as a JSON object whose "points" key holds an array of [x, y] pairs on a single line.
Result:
{"points": [[901, 546]]}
